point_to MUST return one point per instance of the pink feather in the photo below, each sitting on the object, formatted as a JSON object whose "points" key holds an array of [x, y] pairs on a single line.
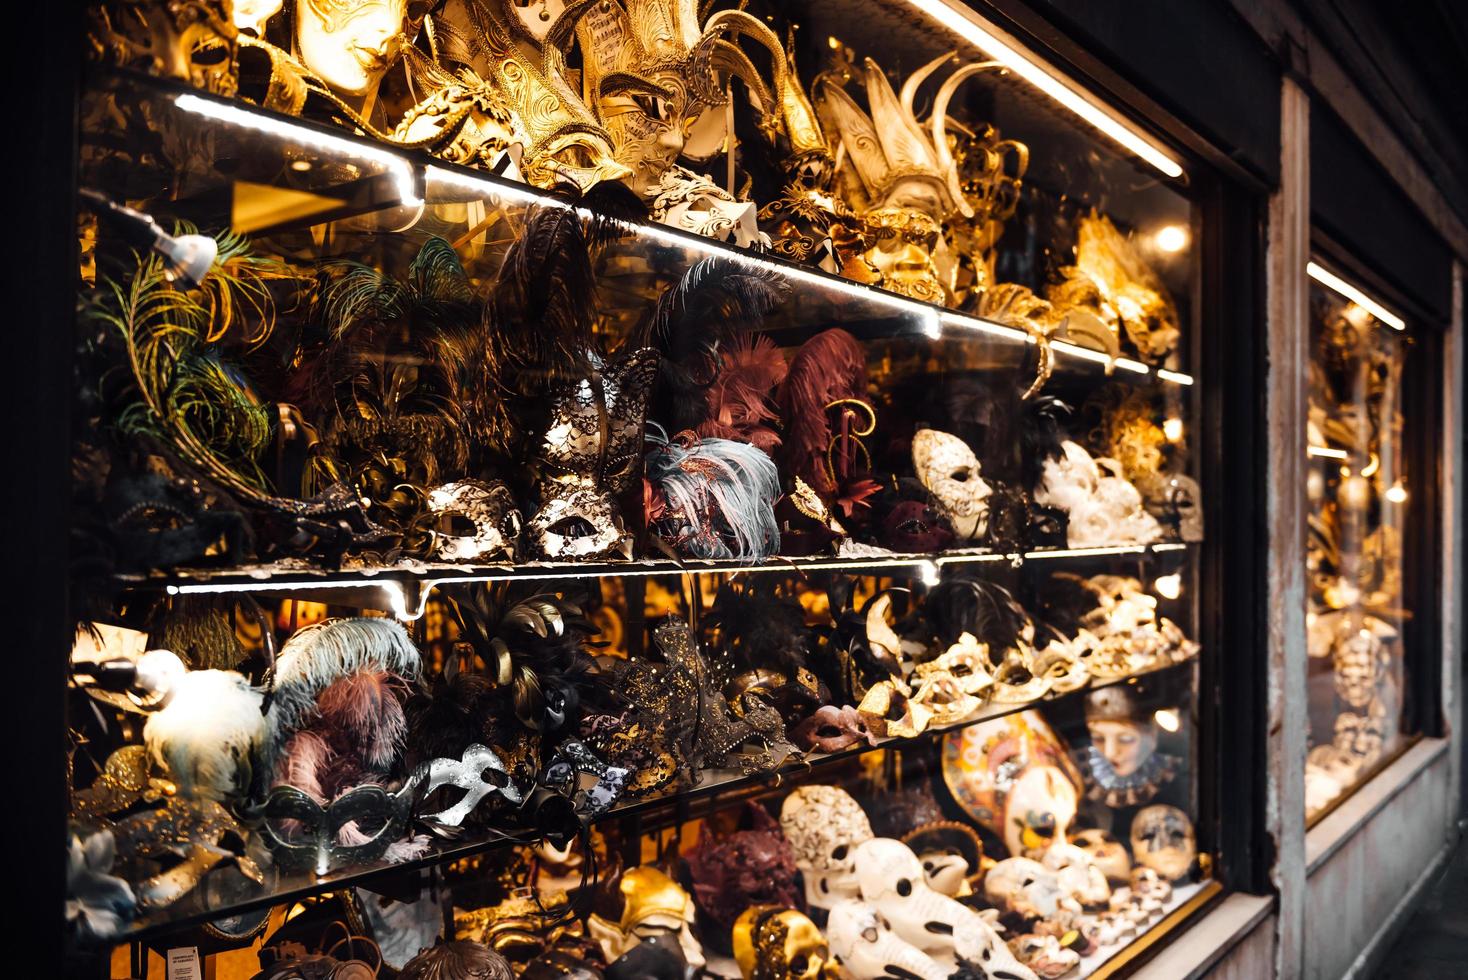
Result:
{"points": [[364, 708], [303, 762], [739, 404], [827, 368]]}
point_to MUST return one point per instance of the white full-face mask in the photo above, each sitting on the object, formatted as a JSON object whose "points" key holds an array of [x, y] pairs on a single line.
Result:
{"points": [[948, 468]]}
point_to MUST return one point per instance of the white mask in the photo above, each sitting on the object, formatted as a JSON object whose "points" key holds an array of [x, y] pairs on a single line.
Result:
{"points": [[948, 468]]}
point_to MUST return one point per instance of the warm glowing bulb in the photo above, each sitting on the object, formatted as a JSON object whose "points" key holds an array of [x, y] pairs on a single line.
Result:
{"points": [[1173, 430], [1171, 238], [1396, 493], [1167, 719], [1169, 586]]}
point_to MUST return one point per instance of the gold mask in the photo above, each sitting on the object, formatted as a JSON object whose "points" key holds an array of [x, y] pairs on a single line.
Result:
{"points": [[773, 943], [654, 74]]}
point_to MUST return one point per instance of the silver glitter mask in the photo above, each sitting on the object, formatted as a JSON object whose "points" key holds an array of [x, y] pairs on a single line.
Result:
{"points": [[592, 451]]}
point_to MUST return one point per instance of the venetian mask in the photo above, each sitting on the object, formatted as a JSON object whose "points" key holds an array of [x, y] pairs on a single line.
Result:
{"points": [[1013, 776], [903, 243], [356, 828], [831, 729], [349, 44], [753, 867], [592, 451], [1079, 877], [952, 855], [824, 825], [477, 521], [1102, 507], [949, 469], [166, 852], [1023, 888], [653, 908], [775, 943], [652, 69], [1044, 955], [863, 940], [1123, 741], [1163, 841], [1106, 853], [891, 879], [479, 773]]}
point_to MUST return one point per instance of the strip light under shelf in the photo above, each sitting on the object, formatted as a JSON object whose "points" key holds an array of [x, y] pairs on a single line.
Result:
{"points": [[1050, 82]]}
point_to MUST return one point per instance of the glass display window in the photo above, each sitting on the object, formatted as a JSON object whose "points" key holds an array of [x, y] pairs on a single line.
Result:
{"points": [[569, 495], [1365, 470]]}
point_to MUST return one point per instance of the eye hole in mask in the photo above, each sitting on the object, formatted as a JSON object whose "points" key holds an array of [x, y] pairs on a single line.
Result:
{"points": [[573, 527]]}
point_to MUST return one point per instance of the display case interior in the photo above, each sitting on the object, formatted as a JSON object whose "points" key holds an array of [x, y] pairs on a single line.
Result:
{"points": [[1366, 524], [627, 536]]}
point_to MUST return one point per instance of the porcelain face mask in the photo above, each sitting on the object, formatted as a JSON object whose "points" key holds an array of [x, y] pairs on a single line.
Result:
{"points": [[949, 469], [349, 44], [1163, 841], [1106, 853], [1126, 745]]}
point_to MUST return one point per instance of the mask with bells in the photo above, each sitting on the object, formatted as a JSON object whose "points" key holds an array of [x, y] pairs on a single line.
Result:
{"points": [[590, 452], [891, 880], [824, 825], [775, 943], [901, 176], [477, 521], [1163, 841], [863, 940]]}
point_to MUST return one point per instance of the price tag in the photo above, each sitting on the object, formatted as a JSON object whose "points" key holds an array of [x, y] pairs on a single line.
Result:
{"points": [[183, 963]]}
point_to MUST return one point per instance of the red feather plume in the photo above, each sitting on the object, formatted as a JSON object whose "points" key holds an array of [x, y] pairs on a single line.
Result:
{"points": [[739, 402], [827, 368]]}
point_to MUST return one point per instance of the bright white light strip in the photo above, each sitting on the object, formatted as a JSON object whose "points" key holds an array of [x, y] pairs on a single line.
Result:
{"points": [[928, 569], [927, 316], [1329, 279], [401, 170], [1177, 377], [1327, 452], [1137, 367], [1075, 350], [1040, 78], [988, 326]]}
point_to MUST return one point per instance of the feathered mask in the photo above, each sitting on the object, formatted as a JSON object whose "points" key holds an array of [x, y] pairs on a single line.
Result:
{"points": [[712, 498], [828, 371]]}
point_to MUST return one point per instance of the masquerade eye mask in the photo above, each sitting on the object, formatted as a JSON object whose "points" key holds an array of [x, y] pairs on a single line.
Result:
{"points": [[591, 451], [355, 829], [479, 773], [477, 521], [832, 729]]}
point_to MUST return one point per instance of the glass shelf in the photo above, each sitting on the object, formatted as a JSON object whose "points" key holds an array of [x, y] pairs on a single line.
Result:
{"points": [[713, 783], [406, 588], [286, 174]]}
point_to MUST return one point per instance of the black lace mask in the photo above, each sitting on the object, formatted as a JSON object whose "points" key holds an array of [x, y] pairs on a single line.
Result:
{"points": [[590, 452]]}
